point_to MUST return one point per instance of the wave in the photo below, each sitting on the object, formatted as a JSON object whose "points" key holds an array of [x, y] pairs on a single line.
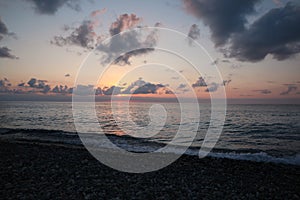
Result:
{"points": [[71, 139], [259, 157]]}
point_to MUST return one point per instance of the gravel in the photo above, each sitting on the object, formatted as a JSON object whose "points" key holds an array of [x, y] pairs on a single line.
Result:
{"points": [[39, 171]]}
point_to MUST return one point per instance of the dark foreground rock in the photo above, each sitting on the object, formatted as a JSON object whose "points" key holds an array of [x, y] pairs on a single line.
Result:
{"points": [[35, 171]]}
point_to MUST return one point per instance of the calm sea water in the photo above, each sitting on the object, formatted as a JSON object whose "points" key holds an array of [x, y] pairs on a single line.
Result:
{"points": [[254, 132]]}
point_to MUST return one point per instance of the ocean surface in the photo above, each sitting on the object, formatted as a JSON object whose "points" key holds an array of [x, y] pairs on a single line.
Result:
{"points": [[266, 133]]}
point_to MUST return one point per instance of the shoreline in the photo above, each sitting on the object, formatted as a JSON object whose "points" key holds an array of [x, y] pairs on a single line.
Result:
{"points": [[36, 171], [137, 145]]}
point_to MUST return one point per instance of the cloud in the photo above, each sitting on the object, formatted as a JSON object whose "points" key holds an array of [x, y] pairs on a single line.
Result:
{"points": [[38, 84], [85, 36], [290, 88], [277, 2], [133, 86], [83, 90], [4, 82], [97, 13], [60, 89], [194, 33], [226, 61], [82, 36], [113, 90], [148, 88], [98, 91], [120, 44], [227, 21], [226, 82], [51, 6], [142, 87], [124, 22], [215, 62], [181, 86], [124, 59], [276, 33], [213, 87], [222, 17], [4, 86], [264, 91], [21, 84], [199, 83], [5, 52], [3, 28]]}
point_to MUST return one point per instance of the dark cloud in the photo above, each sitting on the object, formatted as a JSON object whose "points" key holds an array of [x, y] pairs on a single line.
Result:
{"points": [[3, 28], [148, 88], [82, 36], [133, 86], [21, 84], [5, 53], [124, 59], [137, 87], [51, 6], [290, 88], [194, 33], [264, 91], [32, 82], [123, 23], [4, 85], [60, 89], [46, 89], [98, 91], [4, 82], [223, 17], [142, 87], [276, 33], [39, 84], [226, 82], [199, 83], [36, 86]]}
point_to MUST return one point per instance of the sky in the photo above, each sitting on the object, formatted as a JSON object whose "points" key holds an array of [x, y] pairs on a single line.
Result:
{"points": [[250, 49]]}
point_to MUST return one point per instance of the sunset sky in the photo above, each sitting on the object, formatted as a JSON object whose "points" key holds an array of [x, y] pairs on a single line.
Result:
{"points": [[254, 44]]}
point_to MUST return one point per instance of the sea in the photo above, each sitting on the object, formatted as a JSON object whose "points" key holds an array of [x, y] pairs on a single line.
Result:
{"points": [[261, 133]]}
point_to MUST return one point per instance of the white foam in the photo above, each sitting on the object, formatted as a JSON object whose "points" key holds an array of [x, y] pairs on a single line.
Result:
{"points": [[258, 157]]}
